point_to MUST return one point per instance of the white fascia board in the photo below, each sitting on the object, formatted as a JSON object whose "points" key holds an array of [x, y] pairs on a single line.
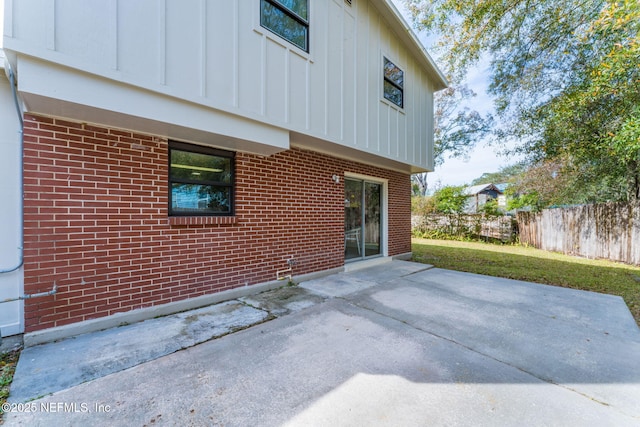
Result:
{"points": [[76, 95]]}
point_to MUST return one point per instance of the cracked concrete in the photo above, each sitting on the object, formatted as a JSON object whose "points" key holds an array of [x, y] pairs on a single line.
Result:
{"points": [[393, 344]]}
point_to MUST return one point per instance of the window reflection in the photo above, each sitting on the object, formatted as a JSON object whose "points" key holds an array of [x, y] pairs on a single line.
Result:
{"points": [[201, 180], [288, 19], [393, 85]]}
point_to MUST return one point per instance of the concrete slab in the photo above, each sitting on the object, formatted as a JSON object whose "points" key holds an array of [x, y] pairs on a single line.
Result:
{"points": [[11, 343], [51, 367], [583, 341], [382, 273], [337, 285], [332, 364], [343, 284], [388, 345], [283, 301]]}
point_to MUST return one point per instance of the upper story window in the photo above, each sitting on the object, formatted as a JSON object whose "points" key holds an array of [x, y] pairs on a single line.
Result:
{"points": [[393, 83], [200, 180], [287, 18]]}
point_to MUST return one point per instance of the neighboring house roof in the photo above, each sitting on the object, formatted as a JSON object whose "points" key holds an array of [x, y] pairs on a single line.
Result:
{"points": [[477, 189]]}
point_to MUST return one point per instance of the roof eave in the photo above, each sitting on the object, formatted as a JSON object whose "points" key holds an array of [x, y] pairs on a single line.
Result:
{"points": [[408, 36]]}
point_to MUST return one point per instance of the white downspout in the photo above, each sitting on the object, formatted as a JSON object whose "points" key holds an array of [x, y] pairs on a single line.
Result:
{"points": [[20, 263], [11, 76]]}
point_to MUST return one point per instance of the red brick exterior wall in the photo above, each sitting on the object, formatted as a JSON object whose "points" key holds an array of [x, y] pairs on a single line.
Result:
{"points": [[96, 222]]}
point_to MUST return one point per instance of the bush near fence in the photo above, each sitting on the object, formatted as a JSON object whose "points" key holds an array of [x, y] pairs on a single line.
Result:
{"points": [[608, 231], [438, 226]]}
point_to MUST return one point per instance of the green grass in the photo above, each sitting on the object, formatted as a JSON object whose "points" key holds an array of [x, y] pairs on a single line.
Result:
{"points": [[534, 265], [8, 362]]}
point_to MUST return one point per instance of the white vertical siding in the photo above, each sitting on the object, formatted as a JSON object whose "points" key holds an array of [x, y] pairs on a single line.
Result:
{"points": [[276, 73], [251, 57], [334, 76], [349, 71], [298, 101], [80, 35], [221, 59], [216, 54]]}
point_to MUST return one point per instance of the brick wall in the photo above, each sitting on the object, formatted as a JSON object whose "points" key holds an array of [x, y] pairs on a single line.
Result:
{"points": [[96, 222]]}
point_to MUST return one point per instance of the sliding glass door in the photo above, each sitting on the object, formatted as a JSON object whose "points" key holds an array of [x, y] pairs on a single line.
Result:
{"points": [[362, 218]]}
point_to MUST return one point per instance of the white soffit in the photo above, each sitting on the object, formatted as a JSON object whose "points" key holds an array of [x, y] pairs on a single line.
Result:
{"points": [[84, 97], [348, 153]]}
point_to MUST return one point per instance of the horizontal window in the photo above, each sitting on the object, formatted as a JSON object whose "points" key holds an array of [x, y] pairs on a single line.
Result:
{"points": [[287, 18], [393, 84], [200, 180]]}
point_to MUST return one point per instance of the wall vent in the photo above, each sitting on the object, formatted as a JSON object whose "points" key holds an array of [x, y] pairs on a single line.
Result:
{"points": [[348, 2]]}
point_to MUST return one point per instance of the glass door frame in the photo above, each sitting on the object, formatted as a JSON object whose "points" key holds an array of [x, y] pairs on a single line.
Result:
{"points": [[384, 185]]}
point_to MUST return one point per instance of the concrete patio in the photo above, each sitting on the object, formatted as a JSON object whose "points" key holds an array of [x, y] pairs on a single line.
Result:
{"points": [[394, 344]]}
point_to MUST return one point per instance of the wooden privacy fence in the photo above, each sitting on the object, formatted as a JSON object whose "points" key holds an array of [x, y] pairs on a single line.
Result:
{"points": [[464, 225], [609, 231]]}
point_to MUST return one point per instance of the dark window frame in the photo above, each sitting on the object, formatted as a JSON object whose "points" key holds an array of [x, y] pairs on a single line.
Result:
{"points": [[397, 86], [291, 14], [210, 151]]}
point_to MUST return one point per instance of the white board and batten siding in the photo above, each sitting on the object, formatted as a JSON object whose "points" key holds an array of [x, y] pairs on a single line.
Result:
{"points": [[213, 61]]}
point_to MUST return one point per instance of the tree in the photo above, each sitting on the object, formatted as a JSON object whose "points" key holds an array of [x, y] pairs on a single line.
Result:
{"points": [[457, 127], [422, 205], [505, 174], [419, 186], [541, 185], [565, 76], [532, 45], [596, 120], [450, 199]]}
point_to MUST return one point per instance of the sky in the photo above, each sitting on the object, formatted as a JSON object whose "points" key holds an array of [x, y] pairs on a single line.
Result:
{"points": [[482, 158]]}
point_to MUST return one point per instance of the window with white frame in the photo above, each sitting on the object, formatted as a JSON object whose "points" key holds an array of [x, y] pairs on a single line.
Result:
{"points": [[393, 84], [287, 18]]}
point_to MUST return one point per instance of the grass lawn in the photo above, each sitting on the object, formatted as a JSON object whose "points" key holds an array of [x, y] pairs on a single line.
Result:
{"points": [[8, 362], [534, 265]]}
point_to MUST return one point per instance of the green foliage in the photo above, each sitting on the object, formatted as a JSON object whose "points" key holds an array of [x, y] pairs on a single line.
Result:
{"points": [[530, 201], [422, 205], [8, 362], [532, 45], [465, 227], [505, 174], [565, 76], [457, 127], [450, 199], [596, 119], [490, 208]]}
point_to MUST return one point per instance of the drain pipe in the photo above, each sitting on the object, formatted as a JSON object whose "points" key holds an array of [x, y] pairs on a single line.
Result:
{"points": [[53, 291], [12, 81]]}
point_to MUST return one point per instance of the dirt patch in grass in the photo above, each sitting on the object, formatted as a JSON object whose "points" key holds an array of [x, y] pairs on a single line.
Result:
{"points": [[534, 265]]}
